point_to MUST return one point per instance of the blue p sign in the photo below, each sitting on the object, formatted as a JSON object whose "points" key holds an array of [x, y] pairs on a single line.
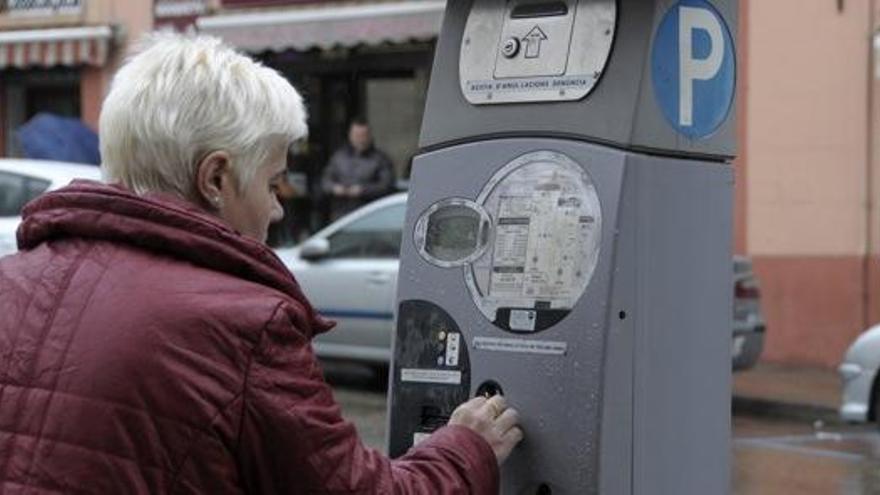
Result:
{"points": [[693, 68]]}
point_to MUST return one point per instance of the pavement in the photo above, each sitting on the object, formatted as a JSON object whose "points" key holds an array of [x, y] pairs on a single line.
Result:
{"points": [[789, 392]]}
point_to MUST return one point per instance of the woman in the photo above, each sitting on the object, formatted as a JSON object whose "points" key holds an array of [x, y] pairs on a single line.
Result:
{"points": [[151, 343]]}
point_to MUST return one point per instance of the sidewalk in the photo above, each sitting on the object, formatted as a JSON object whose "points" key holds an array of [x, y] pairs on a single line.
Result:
{"points": [[802, 393]]}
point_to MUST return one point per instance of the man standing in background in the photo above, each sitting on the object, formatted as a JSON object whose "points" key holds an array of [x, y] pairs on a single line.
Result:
{"points": [[357, 173]]}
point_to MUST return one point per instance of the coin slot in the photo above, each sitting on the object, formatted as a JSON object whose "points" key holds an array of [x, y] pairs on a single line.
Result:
{"points": [[489, 388]]}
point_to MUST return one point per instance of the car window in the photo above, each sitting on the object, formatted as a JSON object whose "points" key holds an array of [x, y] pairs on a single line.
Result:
{"points": [[376, 235], [16, 190]]}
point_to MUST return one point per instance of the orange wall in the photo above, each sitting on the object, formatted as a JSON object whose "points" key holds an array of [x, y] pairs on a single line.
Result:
{"points": [[740, 164], [807, 139], [873, 181], [806, 132]]}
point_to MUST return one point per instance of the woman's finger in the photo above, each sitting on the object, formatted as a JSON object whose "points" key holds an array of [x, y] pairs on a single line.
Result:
{"points": [[507, 420], [495, 406]]}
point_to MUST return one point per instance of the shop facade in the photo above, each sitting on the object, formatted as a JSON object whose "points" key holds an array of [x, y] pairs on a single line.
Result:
{"points": [[58, 56]]}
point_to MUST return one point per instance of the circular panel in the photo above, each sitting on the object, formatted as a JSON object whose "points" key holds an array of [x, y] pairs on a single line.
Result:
{"points": [[544, 249]]}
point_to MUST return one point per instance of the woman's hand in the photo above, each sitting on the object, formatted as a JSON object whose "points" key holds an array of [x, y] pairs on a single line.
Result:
{"points": [[493, 420]]}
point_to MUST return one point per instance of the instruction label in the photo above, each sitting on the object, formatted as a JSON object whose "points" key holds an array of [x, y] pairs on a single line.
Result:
{"points": [[522, 346], [540, 241], [419, 375], [523, 320], [484, 88], [547, 225]]}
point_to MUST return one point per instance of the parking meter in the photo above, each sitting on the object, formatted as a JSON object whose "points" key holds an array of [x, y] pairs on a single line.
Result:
{"points": [[567, 241]]}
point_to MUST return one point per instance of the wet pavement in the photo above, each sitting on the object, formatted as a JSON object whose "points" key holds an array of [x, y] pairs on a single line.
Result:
{"points": [[784, 457], [770, 457]]}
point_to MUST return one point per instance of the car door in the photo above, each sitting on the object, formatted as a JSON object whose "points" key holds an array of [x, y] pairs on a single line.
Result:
{"points": [[355, 284]]}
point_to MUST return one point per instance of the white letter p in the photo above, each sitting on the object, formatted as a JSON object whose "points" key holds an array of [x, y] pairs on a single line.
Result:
{"points": [[690, 69]]}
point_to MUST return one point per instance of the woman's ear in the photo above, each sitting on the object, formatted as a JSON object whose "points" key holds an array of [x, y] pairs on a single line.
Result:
{"points": [[214, 181]]}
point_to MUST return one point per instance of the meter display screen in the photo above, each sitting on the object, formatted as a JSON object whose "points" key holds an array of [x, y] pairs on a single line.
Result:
{"points": [[453, 233]]}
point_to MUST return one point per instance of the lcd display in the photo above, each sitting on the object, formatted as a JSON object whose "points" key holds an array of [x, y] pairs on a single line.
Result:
{"points": [[453, 232]]}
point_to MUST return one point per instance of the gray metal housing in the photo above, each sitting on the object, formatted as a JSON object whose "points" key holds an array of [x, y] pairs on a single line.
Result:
{"points": [[621, 110], [638, 400], [639, 403]]}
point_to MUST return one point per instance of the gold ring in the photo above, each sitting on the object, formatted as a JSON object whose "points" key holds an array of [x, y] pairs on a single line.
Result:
{"points": [[496, 410]]}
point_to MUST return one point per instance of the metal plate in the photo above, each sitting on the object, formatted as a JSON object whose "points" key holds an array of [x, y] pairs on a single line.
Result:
{"points": [[507, 59]]}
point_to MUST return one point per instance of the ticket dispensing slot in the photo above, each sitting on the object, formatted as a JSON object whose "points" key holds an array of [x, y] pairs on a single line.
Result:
{"points": [[539, 9]]}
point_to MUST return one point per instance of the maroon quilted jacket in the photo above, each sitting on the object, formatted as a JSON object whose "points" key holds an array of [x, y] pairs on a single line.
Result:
{"points": [[147, 348]]}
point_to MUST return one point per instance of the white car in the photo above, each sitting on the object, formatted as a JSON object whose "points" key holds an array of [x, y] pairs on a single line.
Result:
{"points": [[22, 180], [349, 272], [861, 383]]}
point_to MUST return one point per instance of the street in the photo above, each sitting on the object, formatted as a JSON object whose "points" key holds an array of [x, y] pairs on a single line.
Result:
{"points": [[781, 457], [770, 456]]}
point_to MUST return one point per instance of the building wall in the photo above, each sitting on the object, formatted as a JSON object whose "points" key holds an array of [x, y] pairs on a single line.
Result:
{"points": [[806, 172], [873, 179], [133, 18], [740, 163]]}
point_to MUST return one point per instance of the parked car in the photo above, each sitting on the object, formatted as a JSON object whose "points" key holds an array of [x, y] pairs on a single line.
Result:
{"points": [[861, 381], [349, 271], [22, 180], [748, 319]]}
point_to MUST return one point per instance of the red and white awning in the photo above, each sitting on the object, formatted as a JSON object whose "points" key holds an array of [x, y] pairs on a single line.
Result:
{"points": [[326, 26], [52, 47]]}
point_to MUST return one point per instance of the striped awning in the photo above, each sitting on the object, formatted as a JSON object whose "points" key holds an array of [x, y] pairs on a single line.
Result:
{"points": [[52, 47], [326, 26]]}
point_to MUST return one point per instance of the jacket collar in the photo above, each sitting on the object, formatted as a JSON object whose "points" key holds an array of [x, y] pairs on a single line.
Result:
{"points": [[367, 152], [160, 223]]}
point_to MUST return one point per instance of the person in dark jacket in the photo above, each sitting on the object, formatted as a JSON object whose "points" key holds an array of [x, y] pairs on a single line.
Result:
{"points": [[150, 342], [357, 173]]}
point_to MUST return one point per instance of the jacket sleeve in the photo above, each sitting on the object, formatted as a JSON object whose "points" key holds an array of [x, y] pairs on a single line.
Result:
{"points": [[293, 438], [382, 182], [328, 176]]}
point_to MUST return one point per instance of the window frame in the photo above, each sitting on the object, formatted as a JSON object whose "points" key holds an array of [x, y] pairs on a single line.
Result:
{"points": [[26, 191], [365, 252]]}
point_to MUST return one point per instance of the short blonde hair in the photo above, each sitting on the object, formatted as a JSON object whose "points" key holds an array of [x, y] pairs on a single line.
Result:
{"points": [[182, 97]]}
